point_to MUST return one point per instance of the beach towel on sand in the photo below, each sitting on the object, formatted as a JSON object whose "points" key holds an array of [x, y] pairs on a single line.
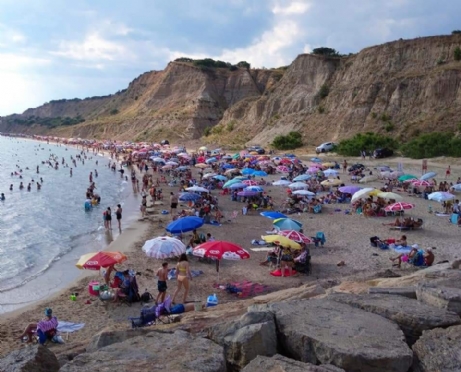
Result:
{"points": [[404, 250], [69, 327]]}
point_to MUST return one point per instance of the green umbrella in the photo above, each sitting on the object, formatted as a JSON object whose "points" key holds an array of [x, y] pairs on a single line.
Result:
{"points": [[406, 177], [235, 156], [230, 183]]}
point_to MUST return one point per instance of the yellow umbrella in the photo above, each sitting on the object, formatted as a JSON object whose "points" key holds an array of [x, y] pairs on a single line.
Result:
{"points": [[201, 165], [389, 195], [331, 182], [281, 240], [253, 153], [328, 165], [375, 192]]}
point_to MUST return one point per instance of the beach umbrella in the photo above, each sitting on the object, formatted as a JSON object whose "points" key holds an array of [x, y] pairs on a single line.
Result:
{"points": [[428, 176], [220, 177], [282, 169], [330, 172], [232, 170], [406, 177], [400, 206], [247, 193], [298, 185], [241, 178], [273, 215], [96, 260], [170, 162], [203, 148], [164, 247], [281, 240], [255, 188], [296, 236], [156, 159], [219, 250], [197, 189], [287, 224], [167, 167], [420, 183], [211, 160], [351, 189], [230, 183], [389, 195], [250, 183], [368, 179], [184, 224], [304, 192], [440, 196], [228, 166], [328, 165], [456, 187], [331, 182], [182, 168], [208, 175], [247, 171], [312, 169], [259, 173], [281, 183], [238, 185], [364, 193], [189, 196], [201, 165], [302, 177]]}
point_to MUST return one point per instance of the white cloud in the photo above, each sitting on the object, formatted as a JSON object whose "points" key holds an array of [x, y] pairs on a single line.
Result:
{"points": [[296, 7], [10, 62], [10, 36]]}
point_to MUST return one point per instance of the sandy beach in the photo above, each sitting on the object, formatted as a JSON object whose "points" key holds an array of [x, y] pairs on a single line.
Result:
{"points": [[347, 240]]}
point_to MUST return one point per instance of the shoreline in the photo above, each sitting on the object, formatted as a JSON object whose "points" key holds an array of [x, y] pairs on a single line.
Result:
{"points": [[58, 271]]}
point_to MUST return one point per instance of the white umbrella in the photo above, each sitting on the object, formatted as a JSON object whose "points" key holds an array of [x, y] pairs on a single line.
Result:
{"points": [[209, 175], [304, 192], [171, 163], [164, 247], [197, 188], [456, 187], [298, 185], [368, 179], [157, 160], [389, 195], [440, 196], [281, 183], [330, 172], [364, 193]]}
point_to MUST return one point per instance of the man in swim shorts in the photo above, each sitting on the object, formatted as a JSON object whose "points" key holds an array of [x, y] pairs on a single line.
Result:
{"points": [[162, 274], [173, 203]]}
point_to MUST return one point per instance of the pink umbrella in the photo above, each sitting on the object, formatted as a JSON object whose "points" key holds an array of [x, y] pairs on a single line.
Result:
{"points": [[400, 206], [296, 236], [282, 169], [250, 183], [313, 170], [418, 183]]}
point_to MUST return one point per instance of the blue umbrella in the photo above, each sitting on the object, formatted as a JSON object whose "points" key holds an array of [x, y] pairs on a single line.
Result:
{"points": [[220, 177], [440, 196], [302, 177], [287, 224], [273, 215], [239, 185], [184, 224], [259, 173], [189, 196], [428, 175], [457, 187], [211, 160], [228, 166], [182, 167], [248, 171], [255, 188]]}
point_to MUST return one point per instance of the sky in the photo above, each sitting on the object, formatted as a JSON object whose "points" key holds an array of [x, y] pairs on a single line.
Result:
{"points": [[51, 49]]}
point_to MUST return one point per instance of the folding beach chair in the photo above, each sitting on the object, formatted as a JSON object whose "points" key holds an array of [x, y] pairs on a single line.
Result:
{"points": [[454, 218], [319, 239]]}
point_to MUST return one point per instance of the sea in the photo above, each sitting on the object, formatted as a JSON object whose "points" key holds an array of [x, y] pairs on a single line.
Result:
{"points": [[44, 232]]}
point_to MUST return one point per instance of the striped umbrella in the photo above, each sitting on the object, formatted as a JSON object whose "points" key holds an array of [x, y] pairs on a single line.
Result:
{"points": [[96, 260], [419, 183], [250, 183], [164, 247], [282, 169], [296, 236]]}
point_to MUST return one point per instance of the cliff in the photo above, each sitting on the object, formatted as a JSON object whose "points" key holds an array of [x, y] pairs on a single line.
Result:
{"points": [[402, 88]]}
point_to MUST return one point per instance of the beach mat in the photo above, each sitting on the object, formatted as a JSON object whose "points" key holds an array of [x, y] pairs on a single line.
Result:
{"points": [[69, 327], [278, 272], [247, 289]]}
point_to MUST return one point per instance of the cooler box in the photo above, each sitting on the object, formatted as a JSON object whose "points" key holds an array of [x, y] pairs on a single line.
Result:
{"points": [[93, 288], [212, 300]]}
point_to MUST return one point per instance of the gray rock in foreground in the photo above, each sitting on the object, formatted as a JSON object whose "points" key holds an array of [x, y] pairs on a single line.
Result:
{"points": [[412, 316], [442, 297], [279, 363], [36, 358], [245, 338], [438, 350], [322, 331], [109, 337], [179, 352]]}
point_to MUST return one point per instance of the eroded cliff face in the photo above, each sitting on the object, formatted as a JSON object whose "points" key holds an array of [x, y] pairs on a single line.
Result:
{"points": [[402, 88]]}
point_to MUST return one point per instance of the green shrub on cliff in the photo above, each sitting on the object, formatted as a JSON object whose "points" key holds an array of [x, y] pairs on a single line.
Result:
{"points": [[291, 141], [457, 54], [433, 144], [368, 141]]}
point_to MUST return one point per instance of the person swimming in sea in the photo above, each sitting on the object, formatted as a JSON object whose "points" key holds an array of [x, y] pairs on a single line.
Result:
{"points": [[2, 197], [28, 187], [21, 186], [11, 187], [39, 186]]}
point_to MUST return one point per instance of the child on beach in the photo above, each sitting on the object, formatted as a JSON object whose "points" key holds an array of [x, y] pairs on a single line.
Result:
{"points": [[162, 275]]}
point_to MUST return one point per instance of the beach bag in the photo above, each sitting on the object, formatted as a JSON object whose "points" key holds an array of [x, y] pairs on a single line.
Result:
{"points": [[146, 297], [148, 314]]}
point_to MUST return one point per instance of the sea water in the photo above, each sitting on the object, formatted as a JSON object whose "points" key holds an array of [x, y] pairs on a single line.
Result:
{"points": [[44, 232]]}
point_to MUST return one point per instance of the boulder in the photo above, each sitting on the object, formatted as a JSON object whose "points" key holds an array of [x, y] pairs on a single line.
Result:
{"points": [[108, 337], [413, 317], [303, 292], [438, 350], [178, 351], [279, 363], [447, 298], [409, 292], [322, 331], [244, 339], [36, 358]]}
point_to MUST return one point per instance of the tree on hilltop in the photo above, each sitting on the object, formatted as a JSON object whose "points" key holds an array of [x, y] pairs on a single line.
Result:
{"points": [[324, 51]]}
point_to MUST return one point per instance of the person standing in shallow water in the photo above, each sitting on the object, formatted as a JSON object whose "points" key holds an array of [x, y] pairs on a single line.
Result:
{"points": [[109, 218], [118, 214]]}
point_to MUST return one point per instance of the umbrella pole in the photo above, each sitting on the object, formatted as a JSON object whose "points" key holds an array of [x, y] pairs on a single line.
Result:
{"points": [[217, 268]]}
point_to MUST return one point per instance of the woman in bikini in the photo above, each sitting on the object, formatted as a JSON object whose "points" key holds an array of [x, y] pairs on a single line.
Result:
{"points": [[184, 275]]}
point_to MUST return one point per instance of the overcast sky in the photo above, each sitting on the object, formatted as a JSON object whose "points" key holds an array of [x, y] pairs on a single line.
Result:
{"points": [[52, 49]]}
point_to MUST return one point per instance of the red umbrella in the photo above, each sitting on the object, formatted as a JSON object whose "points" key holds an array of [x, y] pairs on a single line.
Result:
{"points": [[219, 249], [400, 206], [250, 183], [282, 169], [296, 236], [418, 183]]}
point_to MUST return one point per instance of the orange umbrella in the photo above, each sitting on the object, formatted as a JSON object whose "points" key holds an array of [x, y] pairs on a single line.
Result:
{"points": [[96, 260]]}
